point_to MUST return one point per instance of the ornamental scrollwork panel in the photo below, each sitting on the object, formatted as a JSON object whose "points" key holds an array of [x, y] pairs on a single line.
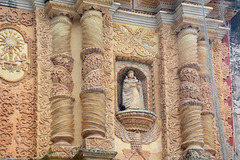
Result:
{"points": [[139, 42]]}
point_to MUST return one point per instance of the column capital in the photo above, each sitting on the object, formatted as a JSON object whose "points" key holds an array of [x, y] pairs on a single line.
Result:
{"points": [[100, 5], [54, 9]]}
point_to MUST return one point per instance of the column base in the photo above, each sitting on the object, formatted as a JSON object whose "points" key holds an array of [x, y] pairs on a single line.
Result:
{"points": [[97, 144], [57, 157], [64, 150], [91, 154], [196, 154]]}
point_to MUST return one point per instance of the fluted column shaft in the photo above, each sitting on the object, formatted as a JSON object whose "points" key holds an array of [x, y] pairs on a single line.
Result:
{"points": [[190, 107], [61, 94], [206, 97], [93, 94]]}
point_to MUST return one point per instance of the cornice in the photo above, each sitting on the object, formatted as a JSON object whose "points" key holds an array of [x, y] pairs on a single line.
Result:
{"points": [[184, 14]]}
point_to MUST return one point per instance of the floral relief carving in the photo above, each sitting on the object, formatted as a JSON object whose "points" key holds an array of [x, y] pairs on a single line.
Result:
{"points": [[45, 66], [170, 114], [220, 54], [16, 16], [17, 100], [129, 41], [108, 83]]}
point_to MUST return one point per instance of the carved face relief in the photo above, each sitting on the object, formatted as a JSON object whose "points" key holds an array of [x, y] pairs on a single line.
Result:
{"points": [[14, 61]]}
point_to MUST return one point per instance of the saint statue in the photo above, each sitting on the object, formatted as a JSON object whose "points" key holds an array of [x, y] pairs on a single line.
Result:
{"points": [[132, 95]]}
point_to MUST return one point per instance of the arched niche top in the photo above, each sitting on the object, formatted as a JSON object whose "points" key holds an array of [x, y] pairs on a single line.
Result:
{"points": [[137, 72]]}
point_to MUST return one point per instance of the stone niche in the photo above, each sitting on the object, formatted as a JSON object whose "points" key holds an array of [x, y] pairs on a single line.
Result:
{"points": [[135, 122]]}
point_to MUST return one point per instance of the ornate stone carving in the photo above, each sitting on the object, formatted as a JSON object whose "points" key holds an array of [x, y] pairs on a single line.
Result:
{"points": [[99, 5], [190, 108], [45, 66], [135, 42], [17, 100], [16, 16], [132, 94], [133, 120], [54, 9], [21, 68], [14, 58], [108, 142], [169, 89], [137, 134], [93, 94], [108, 68], [61, 98], [220, 56]]}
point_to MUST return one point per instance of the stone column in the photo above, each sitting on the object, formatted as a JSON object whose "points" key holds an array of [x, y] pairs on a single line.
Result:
{"points": [[190, 107], [208, 131], [206, 97], [61, 93], [93, 94]]}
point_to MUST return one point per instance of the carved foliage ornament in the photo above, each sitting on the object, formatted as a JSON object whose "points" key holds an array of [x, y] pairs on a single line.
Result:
{"points": [[13, 55], [139, 41], [16, 16]]}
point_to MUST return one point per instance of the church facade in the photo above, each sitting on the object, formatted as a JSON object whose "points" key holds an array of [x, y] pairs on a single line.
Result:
{"points": [[122, 79]]}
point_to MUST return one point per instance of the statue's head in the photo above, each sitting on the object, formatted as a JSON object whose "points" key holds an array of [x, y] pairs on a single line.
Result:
{"points": [[130, 74]]}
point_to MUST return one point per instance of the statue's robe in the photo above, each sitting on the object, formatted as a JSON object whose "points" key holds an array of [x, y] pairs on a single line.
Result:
{"points": [[132, 96]]}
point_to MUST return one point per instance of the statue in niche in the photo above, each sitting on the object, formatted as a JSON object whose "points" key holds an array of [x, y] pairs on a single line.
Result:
{"points": [[132, 95]]}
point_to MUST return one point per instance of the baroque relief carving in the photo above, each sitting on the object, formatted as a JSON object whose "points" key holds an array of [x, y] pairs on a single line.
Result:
{"points": [[17, 100], [45, 66], [169, 76], [135, 42], [137, 133], [219, 55], [13, 55], [16, 16]]}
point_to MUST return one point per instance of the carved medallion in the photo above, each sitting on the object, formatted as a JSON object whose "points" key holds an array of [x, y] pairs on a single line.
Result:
{"points": [[14, 61]]}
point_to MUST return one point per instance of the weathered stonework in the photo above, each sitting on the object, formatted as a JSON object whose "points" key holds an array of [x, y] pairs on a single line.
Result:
{"points": [[42, 115], [18, 96]]}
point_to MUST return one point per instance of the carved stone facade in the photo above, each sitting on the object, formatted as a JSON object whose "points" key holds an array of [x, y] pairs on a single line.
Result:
{"points": [[62, 71], [18, 84]]}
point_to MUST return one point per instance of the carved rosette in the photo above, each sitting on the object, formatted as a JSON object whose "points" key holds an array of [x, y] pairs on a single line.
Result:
{"points": [[190, 107], [61, 93], [208, 131], [93, 93]]}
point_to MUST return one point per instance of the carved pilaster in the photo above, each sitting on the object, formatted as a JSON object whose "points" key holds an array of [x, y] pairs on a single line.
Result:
{"points": [[190, 108], [61, 93], [93, 94]]}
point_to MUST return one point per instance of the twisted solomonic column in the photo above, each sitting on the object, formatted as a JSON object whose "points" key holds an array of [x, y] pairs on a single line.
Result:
{"points": [[61, 94], [190, 107], [206, 97], [93, 94]]}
